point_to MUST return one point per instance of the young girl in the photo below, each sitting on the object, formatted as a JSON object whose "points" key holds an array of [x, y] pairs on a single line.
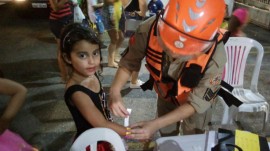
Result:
{"points": [[84, 96]]}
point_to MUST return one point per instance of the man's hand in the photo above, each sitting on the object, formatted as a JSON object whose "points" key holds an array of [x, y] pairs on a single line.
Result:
{"points": [[143, 130]]}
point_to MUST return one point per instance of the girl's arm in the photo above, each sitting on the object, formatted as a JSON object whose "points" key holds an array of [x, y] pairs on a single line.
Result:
{"points": [[17, 92], [91, 113], [90, 11], [57, 5]]}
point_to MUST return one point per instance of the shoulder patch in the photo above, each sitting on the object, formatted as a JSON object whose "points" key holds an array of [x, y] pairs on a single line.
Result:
{"points": [[215, 80], [210, 94]]}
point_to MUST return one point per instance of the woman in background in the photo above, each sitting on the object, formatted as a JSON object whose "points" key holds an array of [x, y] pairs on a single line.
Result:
{"points": [[61, 14], [112, 12]]}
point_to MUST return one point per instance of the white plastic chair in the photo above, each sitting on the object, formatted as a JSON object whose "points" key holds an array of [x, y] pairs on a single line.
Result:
{"points": [[237, 50], [93, 135], [196, 142]]}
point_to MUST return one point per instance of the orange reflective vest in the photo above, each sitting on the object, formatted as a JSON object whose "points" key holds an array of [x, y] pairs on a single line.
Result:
{"points": [[172, 90]]}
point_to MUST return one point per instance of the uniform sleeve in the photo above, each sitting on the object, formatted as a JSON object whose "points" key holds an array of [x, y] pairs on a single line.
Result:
{"points": [[135, 52], [204, 94]]}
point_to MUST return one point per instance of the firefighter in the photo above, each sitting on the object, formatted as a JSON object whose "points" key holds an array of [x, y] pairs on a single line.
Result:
{"points": [[185, 57]]}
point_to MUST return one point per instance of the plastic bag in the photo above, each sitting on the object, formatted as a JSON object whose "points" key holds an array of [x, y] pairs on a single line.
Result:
{"points": [[10, 141], [78, 14]]}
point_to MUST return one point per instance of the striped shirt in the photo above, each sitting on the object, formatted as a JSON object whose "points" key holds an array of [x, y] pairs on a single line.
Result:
{"points": [[64, 12]]}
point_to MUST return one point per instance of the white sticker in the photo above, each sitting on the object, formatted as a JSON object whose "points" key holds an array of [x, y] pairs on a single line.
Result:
{"points": [[126, 120]]}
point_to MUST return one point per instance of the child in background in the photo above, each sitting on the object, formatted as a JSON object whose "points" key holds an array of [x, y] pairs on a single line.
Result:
{"points": [[92, 9], [17, 93], [155, 7], [111, 14], [61, 14], [84, 94], [225, 23], [9, 140], [237, 21], [134, 9]]}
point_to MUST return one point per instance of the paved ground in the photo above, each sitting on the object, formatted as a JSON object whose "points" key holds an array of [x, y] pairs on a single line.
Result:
{"points": [[45, 120]]}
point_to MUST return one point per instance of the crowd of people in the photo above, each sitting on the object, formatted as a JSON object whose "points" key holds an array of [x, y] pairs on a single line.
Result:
{"points": [[182, 48]]}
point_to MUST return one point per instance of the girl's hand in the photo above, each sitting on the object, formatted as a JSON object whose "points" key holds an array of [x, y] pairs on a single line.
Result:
{"points": [[117, 106]]}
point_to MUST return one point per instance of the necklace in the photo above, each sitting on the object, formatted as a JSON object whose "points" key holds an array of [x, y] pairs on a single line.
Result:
{"points": [[91, 76], [80, 79]]}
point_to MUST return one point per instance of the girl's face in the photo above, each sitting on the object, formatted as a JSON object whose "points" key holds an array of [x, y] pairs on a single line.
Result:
{"points": [[85, 58]]}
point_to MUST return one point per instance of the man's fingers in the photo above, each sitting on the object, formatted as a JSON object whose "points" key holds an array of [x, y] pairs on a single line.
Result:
{"points": [[140, 136], [140, 124], [137, 131]]}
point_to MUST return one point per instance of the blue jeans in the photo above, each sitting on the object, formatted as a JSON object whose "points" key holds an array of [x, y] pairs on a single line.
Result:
{"points": [[99, 23]]}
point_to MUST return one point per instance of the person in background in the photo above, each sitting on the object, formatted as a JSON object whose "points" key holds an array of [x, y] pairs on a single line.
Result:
{"points": [[84, 95], [134, 9], [237, 22], [224, 24], [155, 7], [93, 12], [17, 93], [185, 58], [61, 14], [112, 12]]}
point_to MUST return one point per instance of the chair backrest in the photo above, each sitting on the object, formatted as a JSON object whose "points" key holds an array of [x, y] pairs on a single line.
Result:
{"points": [[93, 135], [237, 51]]}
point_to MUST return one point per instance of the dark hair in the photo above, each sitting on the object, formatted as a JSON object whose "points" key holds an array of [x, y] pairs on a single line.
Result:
{"points": [[1, 74], [234, 24], [75, 32]]}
